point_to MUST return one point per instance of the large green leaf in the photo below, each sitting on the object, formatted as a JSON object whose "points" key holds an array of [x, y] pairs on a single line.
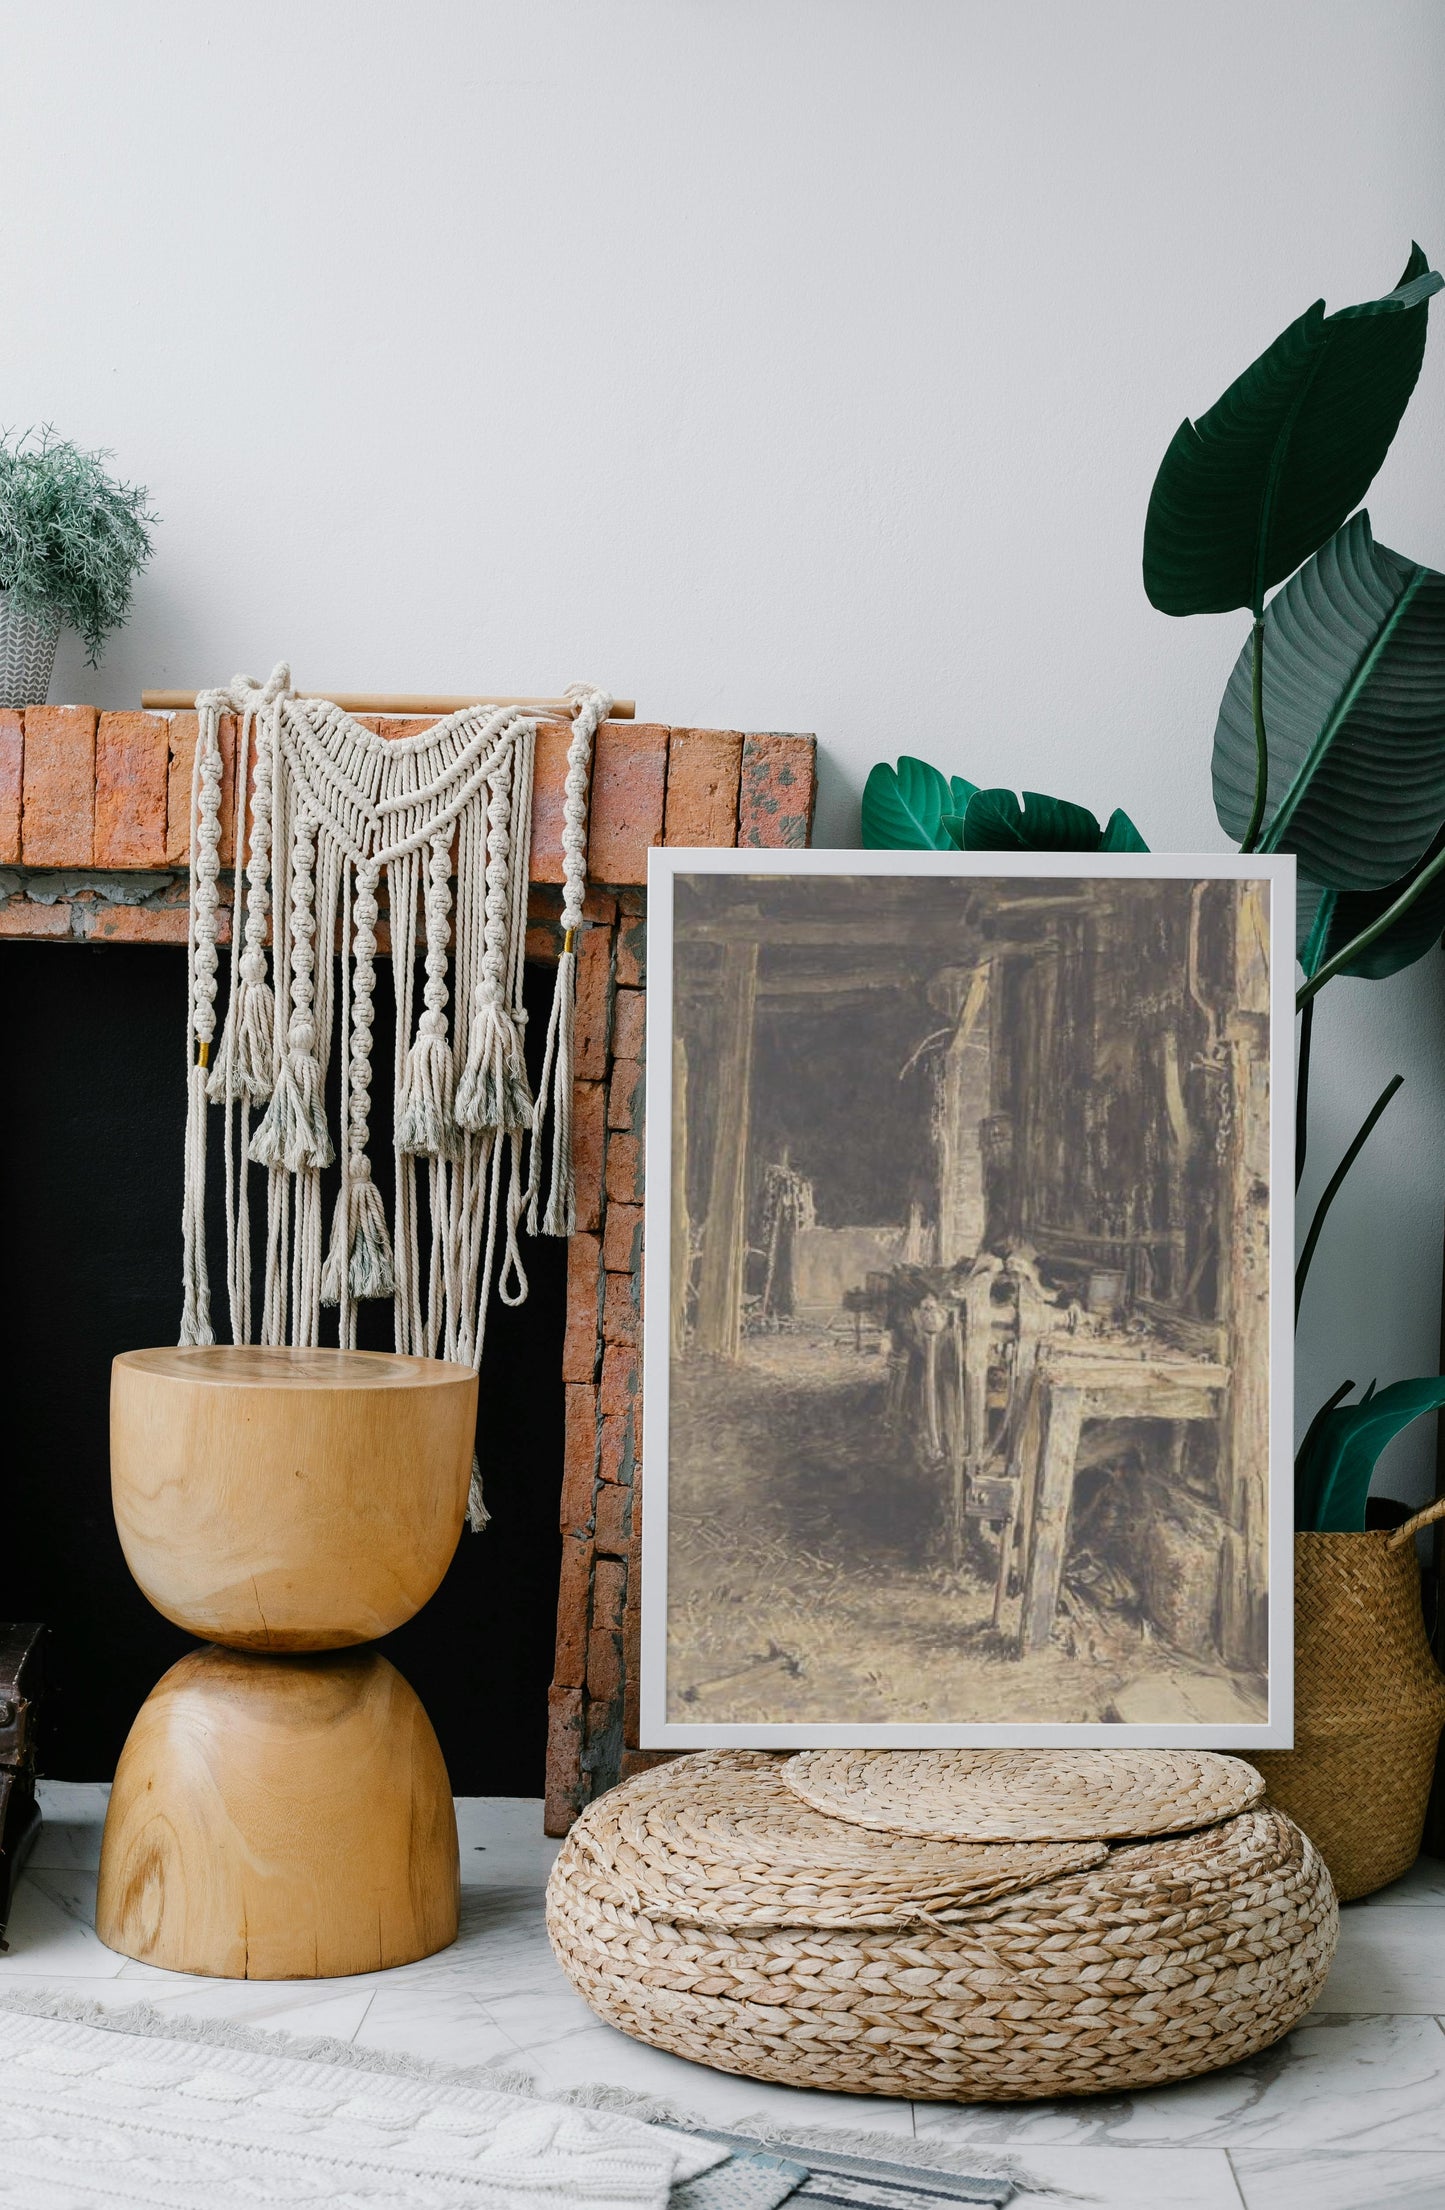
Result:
{"points": [[994, 821], [1354, 710], [1258, 483], [903, 807], [1337, 1462], [1327, 920]]}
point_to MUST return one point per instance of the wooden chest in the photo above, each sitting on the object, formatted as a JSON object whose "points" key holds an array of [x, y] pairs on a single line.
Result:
{"points": [[21, 1677]]}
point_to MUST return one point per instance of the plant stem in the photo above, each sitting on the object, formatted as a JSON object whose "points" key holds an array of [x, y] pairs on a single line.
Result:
{"points": [[1367, 937], [1332, 1187], [1261, 746], [1302, 1092]]}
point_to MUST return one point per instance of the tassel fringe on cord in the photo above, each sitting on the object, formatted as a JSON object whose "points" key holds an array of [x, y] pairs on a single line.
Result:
{"points": [[445, 818]]}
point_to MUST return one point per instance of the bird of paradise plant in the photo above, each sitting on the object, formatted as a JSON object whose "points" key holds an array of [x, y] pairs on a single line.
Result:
{"points": [[1330, 740]]}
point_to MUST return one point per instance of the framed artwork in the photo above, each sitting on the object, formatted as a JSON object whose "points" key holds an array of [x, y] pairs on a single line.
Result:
{"points": [[967, 1380]]}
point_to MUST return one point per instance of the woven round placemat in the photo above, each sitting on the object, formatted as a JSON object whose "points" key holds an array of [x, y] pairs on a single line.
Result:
{"points": [[1024, 1795], [721, 1840], [1169, 1959]]}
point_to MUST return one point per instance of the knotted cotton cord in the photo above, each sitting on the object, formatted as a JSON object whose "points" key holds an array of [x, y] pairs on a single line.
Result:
{"points": [[444, 817], [201, 1023], [555, 1089]]}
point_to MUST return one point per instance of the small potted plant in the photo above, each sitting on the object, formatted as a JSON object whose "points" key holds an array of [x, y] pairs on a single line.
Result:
{"points": [[72, 541]]}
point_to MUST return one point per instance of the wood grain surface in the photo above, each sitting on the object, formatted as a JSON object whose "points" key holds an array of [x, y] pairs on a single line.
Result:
{"points": [[289, 1500], [279, 1818]]}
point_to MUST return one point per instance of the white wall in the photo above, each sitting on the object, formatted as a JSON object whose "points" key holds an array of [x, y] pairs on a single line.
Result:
{"points": [[794, 364]]}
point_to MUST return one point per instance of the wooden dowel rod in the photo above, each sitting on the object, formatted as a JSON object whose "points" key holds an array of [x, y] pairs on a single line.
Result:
{"points": [[366, 702]]}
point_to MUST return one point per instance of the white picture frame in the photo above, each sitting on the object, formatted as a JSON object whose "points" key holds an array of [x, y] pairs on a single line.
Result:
{"points": [[676, 1723]]}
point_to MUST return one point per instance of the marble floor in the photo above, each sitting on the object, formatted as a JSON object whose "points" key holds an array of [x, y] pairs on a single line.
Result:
{"points": [[1347, 2114]]}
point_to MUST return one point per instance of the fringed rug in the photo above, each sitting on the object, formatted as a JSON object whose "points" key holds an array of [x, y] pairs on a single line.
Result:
{"points": [[130, 2110]]}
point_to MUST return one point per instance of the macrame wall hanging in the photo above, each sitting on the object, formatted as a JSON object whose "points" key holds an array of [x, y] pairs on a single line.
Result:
{"points": [[443, 819]]}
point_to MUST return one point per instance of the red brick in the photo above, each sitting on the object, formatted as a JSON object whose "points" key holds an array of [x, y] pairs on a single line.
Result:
{"points": [[135, 924], [629, 1024], [599, 907], [549, 779], [579, 1456], [632, 950], [703, 771], [609, 1594], [619, 1379], [180, 767], [614, 1513], [624, 1096], [615, 1453], [12, 755], [629, 794], [58, 824], [589, 1138], [620, 1311], [779, 791], [594, 1003], [604, 1668], [20, 917], [622, 1239], [573, 1588], [564, 1759], [543, 941], [584, 1287], [132, 760], [624, 1169]]}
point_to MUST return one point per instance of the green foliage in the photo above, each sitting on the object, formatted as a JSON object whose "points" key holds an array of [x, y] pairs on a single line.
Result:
{"points": [[1354, 710], [1258, 483], [1328, 922], [995, 822], [915, 808], [1337, 1458], [903, 807], [72, 539]]}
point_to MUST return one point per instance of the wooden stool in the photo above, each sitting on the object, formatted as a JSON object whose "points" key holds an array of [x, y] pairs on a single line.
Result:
{"points": [[279, 1814]]}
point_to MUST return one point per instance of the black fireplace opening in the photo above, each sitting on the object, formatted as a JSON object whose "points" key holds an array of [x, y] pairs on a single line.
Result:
{"points": [[92, 1110]]}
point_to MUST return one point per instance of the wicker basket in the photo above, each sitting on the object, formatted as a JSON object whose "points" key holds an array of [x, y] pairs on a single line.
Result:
{"points": [[1166, 1959], [1369, 1705], [27, 653]]}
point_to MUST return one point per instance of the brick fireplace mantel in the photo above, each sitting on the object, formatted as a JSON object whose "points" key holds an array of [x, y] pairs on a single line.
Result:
{"points": [[94, 844]]}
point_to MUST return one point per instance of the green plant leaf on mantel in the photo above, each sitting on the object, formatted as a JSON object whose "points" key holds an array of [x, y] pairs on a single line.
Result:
{"points": [[994, 821], [1354, 707], [1337, 1462], [1259, 482], [903, 807], [1327, 920]]}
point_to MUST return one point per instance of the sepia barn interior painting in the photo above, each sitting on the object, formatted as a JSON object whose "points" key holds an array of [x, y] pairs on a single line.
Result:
{"points": [[969, 1322]]}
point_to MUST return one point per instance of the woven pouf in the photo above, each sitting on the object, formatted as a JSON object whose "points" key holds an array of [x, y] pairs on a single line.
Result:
{"points": [[707, 1908]]}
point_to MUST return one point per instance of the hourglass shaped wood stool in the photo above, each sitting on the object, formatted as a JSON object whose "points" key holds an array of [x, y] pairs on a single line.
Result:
{"points": [[281, 1809]]}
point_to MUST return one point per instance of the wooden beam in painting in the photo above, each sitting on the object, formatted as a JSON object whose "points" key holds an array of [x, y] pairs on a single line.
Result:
{"points": [[1244, 1567], [679, 1255], [865, 928], [724, 1243], [1063, 1418]]}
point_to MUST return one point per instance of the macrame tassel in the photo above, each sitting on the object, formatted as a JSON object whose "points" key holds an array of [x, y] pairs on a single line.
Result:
{"points": [[478, 1516], [245, 1066], [364, 1247], [293, 1133], [494, 1092], [426, 1117], [560, 1216], [196, 1289]]}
